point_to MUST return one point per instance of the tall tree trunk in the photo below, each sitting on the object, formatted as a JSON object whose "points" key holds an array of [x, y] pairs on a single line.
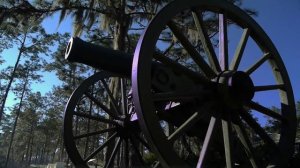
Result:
{"points": [[27, 150], [121, 30], [47, 157], [37, 154], [62, 152], [23, 157], [30, 145], [113, 86], [55, 149], [16, 119], [44, 150], [86, 148], [12, 76]]}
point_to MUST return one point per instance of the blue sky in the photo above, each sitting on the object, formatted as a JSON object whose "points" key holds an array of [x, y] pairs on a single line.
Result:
{"points": [[279, 19]]}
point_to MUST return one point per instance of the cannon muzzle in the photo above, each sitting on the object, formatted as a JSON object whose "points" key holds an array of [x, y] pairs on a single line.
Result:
{"points": [[99, 57]]}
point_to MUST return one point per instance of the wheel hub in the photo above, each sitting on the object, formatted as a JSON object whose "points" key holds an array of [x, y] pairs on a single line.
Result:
{"points": [[235, 88], [126, 127]]}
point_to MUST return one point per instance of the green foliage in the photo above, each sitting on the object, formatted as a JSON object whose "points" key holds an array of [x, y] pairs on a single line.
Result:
{"points": [[31, 40]]}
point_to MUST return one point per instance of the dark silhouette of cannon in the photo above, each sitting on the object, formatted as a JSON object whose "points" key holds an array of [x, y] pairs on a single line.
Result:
{"points": [[183, 109], [106, 59]]}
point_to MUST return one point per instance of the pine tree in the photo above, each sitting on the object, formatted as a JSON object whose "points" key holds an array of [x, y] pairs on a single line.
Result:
{"points": [[31, 41], [26, 74]]}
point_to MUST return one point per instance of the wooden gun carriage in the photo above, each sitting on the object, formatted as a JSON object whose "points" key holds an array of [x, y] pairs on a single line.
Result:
{"points": [[153, 109]]}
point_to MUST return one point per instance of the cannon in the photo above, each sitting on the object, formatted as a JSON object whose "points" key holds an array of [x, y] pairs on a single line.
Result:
{"points": [[196, 108]]}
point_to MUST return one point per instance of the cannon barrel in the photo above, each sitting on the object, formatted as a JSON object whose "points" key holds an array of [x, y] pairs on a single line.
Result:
{"points": [[163, 77], [99, 57]]}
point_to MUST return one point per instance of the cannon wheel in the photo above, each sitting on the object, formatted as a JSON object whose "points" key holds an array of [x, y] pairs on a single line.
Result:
{"points": [[226, 116], [96, 122]]}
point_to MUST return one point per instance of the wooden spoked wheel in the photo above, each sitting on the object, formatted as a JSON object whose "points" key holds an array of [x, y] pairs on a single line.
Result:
{"points": [[100, 127], [214, 107]]}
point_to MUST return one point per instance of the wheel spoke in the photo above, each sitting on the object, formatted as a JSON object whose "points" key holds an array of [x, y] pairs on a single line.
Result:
{"points": [[205, 40], [227, 137], [157, 165], [207, 140], [113, 154], [191, 50], [265, 110], [113, 100], [240, 50], [184, 127], [257, 128], [242, 135], [180, 68], [109, 141], [124, 98], [126, 154], [94, 133], [136, 151], [268, 87], [223, 40], [258, 63], [97, 118], [102, 106]]}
